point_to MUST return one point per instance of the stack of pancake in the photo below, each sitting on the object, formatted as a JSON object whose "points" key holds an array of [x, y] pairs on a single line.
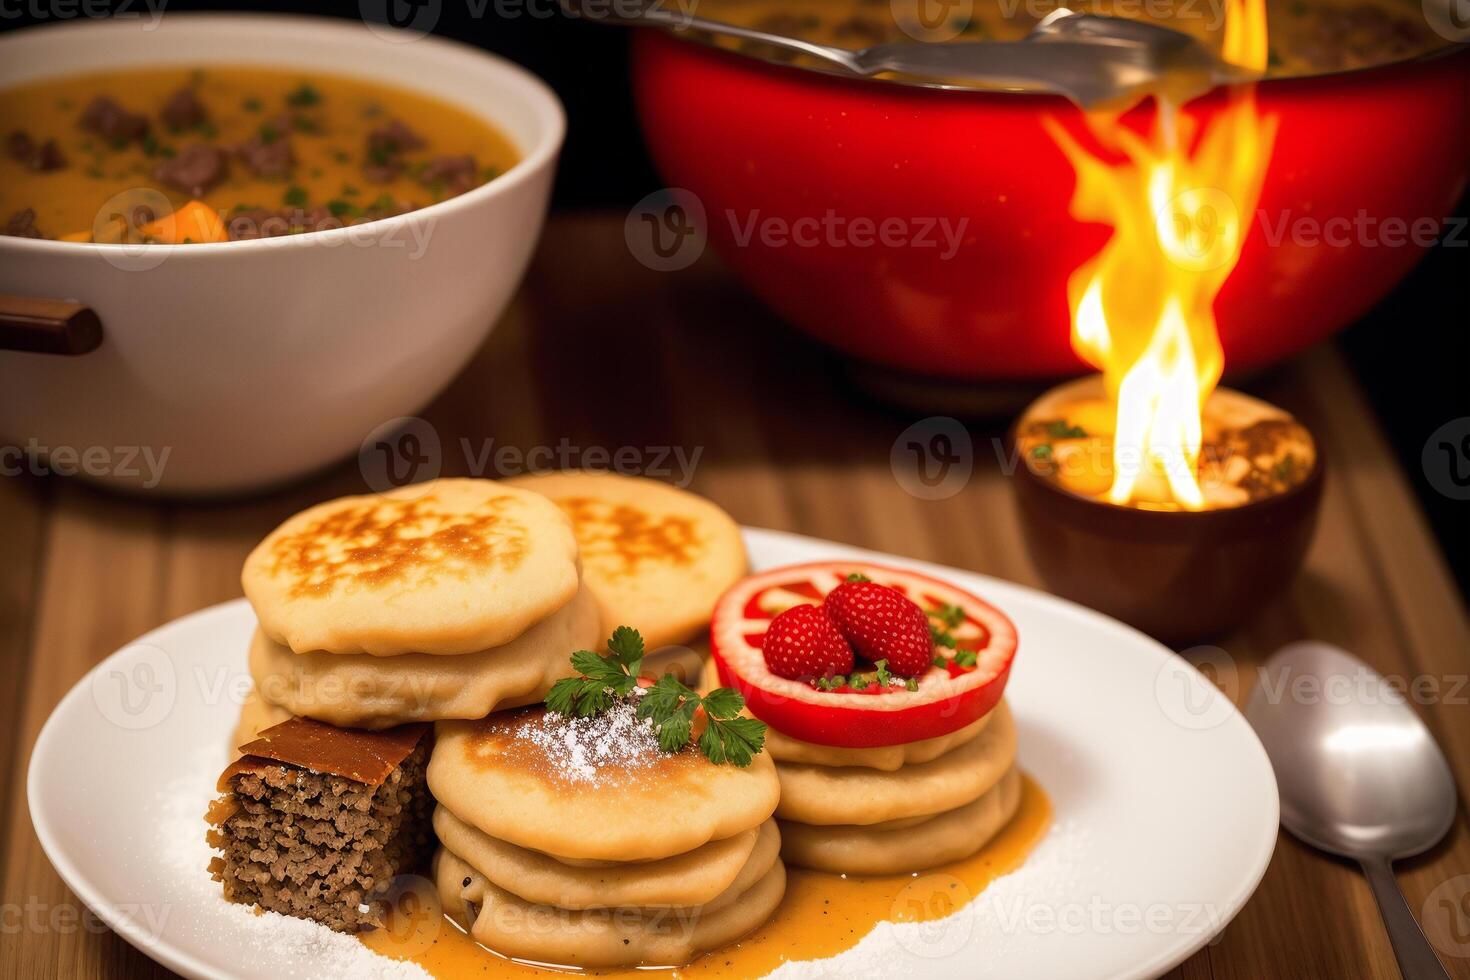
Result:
{"points": [[449, 599], [897, 808], [455, 601], [579, 842]]}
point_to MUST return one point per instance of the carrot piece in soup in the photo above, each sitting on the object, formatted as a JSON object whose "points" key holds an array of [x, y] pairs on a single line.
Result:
{"points": [[194, 222]]}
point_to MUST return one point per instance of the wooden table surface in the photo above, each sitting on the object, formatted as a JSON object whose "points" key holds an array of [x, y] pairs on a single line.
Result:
{"points": [[600, 352]]}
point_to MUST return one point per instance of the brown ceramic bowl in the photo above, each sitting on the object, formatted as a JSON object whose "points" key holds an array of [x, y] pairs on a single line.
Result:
{"points": [[1181, 576]]}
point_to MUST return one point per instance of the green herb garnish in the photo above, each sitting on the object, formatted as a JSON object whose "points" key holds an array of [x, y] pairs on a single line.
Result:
{"points": [[965, 658], [727, 737], [304, 94], [603, 678], [669, 704], [941, 638], [858, 577], [295, 196], [951, 616]]}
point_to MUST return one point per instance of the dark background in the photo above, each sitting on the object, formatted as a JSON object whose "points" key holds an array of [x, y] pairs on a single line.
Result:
{"points": [[1411, 353]]}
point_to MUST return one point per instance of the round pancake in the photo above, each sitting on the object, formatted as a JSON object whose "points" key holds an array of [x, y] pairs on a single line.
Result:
{"points": [[949, 836], [444, 567], [600, 937], [595, 789], [697, 878], [256, 715], [658, 557], [859, 795], [380, 692], [888, 758]]}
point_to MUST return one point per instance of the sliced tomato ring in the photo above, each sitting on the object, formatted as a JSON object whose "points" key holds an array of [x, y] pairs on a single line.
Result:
{"points": [[948, 697]]}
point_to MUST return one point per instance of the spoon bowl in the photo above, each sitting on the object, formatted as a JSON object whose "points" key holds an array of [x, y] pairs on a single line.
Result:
{"points": [[1093, 59], [1359, 774]]}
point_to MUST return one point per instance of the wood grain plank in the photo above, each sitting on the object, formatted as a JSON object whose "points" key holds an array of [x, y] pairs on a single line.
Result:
{"points": [[99, 589], [23, 515]]}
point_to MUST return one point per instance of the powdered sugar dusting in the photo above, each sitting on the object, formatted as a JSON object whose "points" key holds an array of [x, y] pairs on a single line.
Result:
{"points": [[612, 745]]}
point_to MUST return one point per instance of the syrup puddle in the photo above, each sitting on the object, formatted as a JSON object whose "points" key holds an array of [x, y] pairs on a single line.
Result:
{"points": [[821, 915]]}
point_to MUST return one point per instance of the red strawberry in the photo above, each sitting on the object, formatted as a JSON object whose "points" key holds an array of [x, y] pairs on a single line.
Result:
{"points": [[802, 643], [882, 623]]}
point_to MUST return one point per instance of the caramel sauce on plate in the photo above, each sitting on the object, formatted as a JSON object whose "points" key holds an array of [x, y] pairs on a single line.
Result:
{"points": [[821, 915]]}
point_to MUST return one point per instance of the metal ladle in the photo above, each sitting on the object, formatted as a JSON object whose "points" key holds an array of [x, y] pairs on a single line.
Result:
{"points": [[1092, 59]]}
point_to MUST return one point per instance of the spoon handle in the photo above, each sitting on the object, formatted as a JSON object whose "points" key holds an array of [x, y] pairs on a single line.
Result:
{"points": [[1416, 957]]}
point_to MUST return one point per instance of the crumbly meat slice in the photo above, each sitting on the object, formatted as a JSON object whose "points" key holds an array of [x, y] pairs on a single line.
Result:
{"points": [[320, 846]]}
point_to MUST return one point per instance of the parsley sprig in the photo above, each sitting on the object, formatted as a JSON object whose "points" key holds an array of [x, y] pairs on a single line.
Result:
{"points": [[669, 704], [603, 678], [727, 736]]}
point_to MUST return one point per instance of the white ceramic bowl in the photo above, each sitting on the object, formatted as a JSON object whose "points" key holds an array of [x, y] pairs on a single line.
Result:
{"points": [[257, 361]]}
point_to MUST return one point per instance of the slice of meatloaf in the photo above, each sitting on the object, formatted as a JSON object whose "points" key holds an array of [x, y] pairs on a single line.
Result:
{"points": [[316, 821]]}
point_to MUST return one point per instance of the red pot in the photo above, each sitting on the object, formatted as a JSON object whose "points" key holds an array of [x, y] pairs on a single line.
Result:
{"points": [[765, 146]]}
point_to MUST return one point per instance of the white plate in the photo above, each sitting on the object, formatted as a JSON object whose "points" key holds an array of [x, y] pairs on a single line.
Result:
{"points": [[1166, 807]]}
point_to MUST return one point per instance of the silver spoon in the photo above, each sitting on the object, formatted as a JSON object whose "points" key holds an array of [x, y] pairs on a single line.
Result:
{"points": [[1359, 774], [1089, 58]]}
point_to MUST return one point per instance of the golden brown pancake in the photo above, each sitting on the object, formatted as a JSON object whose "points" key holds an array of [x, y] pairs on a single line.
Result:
{"points": [[859, 795], [594, 789], [602, 937], [784, 748], [360, 691], [656, 556], [942, 838], [696, 878], [444, 567]]}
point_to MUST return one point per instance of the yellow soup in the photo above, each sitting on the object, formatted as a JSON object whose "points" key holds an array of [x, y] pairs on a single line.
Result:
{"points": [[120, 155]]}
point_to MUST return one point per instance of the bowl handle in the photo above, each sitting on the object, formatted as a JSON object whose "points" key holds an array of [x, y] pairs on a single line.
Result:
{"points": [[47, 326]]}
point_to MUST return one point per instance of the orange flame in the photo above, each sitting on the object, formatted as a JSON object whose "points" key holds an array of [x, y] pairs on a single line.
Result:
{"points": [[1143, 307]]}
